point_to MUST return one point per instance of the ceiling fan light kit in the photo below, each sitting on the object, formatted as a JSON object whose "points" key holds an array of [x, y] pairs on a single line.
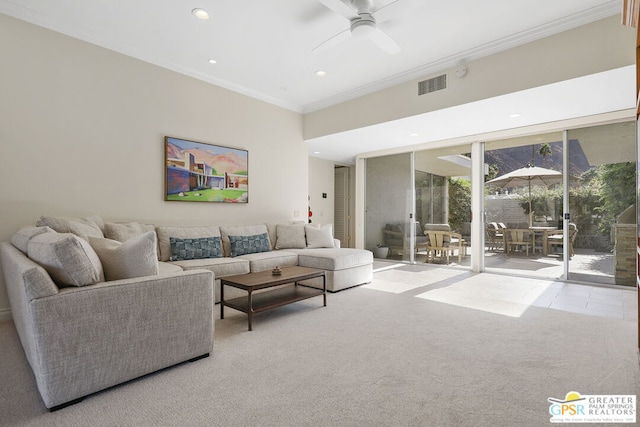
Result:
{"points": [[363, 25]]}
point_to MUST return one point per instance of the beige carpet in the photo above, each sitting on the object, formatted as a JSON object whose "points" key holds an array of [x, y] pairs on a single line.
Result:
{"points": [[370, 358]]}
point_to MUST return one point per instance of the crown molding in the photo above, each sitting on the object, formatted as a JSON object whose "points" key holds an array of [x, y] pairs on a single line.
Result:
{"points": [[554, 27]]}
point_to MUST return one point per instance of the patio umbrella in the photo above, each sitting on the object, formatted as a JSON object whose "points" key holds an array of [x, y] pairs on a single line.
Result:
{"points": [[528, 175]]}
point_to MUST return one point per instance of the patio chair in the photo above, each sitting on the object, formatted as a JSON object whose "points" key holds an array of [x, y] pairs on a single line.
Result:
{"points": [[442, 242], [557, 239], [495, 236], [517, 239]]}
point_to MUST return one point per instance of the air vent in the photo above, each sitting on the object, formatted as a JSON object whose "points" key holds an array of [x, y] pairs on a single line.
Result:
{"points": [[432, 85]]}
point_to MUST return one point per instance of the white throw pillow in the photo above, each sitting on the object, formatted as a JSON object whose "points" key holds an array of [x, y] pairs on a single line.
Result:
{"points": [[135, 257], [319, 237], [290, 237], [69, 260]]}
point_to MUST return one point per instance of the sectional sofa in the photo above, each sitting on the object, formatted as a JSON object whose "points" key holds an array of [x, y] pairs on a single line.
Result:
{"points": [[96, 304]]}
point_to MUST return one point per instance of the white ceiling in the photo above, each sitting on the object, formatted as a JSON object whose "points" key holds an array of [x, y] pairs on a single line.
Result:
{"points": [[264, 48]]}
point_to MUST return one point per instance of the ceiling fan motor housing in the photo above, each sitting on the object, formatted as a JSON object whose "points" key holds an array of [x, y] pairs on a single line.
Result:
{"points": [[363, 26]]}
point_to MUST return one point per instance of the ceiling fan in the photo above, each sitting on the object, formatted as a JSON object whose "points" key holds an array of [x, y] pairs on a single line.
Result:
{"points": [[362, 15]]}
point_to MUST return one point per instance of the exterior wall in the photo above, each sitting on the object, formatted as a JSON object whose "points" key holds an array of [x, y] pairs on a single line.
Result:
{"points": [[625, 254], [82, 132]]}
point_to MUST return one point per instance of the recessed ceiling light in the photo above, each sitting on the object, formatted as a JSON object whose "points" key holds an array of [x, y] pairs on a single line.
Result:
{"points": [[321, 73], [316, 152], [200, 13], [213, 61], [514, 115], [413, 134]]}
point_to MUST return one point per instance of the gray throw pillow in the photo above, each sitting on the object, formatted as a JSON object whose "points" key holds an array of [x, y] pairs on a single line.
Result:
{"points": [[81, 227], [290, 237], [125, 260], [22, 237], [69, 260]]}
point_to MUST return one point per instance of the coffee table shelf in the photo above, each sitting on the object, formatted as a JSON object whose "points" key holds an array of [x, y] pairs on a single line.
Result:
{"points": [[272, 298]]}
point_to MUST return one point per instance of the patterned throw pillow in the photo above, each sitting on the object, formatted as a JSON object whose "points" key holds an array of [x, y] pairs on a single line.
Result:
{"points": [[203, 247], [243, 245]]}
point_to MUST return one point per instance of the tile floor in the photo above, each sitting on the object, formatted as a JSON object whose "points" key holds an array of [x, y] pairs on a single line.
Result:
{"points": [[503, 294]]}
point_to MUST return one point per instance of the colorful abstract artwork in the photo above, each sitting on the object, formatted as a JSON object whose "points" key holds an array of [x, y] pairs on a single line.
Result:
{"points": [[200, 172]]}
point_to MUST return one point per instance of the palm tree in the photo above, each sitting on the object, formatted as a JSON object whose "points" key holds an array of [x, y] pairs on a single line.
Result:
{"points": [[544, 151]]}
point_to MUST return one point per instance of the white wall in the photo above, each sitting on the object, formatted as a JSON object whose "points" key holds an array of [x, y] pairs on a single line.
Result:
{"points": [[321, 180], [82, 127]]}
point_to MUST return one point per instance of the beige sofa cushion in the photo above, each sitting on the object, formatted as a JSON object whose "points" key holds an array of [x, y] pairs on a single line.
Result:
{"points": [[69, 260], [333, 259], [22, 237], [220, 267], [182, 232], [268, 260], [135, 257]]}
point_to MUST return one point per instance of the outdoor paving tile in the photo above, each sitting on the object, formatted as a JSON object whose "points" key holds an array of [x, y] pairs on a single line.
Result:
{"points": [[604, 306], [613, 299]]}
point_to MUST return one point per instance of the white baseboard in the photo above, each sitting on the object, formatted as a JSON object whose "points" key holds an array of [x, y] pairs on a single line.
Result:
{"points": [[5, 314]]}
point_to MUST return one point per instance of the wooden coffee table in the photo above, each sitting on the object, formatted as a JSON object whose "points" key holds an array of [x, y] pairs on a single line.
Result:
{"points": [[255, 303]]}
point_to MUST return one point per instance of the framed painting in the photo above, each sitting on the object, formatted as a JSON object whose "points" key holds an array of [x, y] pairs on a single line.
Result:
{"points": [[201, 172]]}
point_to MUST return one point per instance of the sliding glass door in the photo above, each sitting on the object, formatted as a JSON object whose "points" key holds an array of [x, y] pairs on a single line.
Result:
{"points": [[570, 214], [602, 205], [523, 200]]}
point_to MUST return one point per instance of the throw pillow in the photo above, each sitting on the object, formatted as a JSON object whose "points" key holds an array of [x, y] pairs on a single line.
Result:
{"points": [[203, 247], [69, 260], [83, 228], [319, 237], [239, 230], [135, 257], [243, 245], [181, 232], [22, 237], [290, 237], [125, 231]]}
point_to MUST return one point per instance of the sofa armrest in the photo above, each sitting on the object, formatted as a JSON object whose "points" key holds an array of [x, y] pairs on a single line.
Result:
{"points": [[94, 337]]}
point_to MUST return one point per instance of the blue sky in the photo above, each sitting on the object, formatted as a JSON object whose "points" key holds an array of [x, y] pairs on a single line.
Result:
{"points": [[185, 145]]}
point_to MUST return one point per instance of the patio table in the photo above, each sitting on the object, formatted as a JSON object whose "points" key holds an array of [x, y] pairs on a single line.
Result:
{"points": [[544, 232]]}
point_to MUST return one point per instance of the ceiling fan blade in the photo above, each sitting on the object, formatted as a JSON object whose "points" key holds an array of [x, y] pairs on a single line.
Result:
{"points": [[340, 8], [385, 42], [386, 12], [333, 41]]}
